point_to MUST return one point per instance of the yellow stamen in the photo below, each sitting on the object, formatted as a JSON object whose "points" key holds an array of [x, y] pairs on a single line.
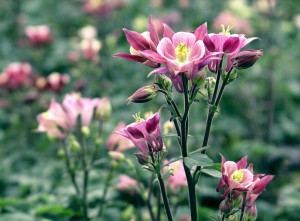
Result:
{"points": [[182, 52], [137, 117], [226, 30], [237, 176]]}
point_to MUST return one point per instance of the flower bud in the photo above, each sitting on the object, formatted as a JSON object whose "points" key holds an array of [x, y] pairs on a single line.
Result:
{"points": [[144, 94], [250, 213], [226, 206], [199, 78], [104, 109], [210, 83], [142, 158], [115, 155], [85, 131], [164, 82], [246, 59]]}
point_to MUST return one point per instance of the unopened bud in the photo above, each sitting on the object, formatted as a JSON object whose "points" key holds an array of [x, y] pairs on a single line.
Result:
{"points": [[104, 109], [115, 155], [199, 78], [251, 213], [144, 94], [74, 146], [246, 59], [210, 84], [85, 131], [164, 82], [226, 206], [142, 158], [60, 153]]}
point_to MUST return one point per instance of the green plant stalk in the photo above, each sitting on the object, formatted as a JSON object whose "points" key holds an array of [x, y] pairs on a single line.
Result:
{"points": [[243, 208], [108, 178], [223, 217], [184, 151]]}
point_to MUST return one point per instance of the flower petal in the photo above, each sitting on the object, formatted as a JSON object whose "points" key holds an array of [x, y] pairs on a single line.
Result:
{"points": [[168, 32], [136, 40], [153, 32], [184, 37], [229, 168], [153, 56], [200, 32], [166, 49], [197, 51]]}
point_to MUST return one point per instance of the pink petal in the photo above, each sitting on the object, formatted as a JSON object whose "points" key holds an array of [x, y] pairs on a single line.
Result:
{"points": [[136, 40], [247, 178], [160, 70], [197, 51], [168, 32], [130, 57], [153, 32], [200, 32], [242, 163], [231, 44], [261, 184], [153, 56], [183, 37], [166, 49], [229, 168], [152, 123]]}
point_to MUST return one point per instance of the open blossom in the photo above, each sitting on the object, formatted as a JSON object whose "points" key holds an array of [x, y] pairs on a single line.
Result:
{"points": [[127, 184], [239, 178], [144, 134], [60, 119], [39, 35], [15, 75], [116, 142], [224, 42]]}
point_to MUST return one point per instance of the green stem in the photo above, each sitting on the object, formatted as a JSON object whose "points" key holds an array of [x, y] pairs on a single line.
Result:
{"points": [[106, 184], [223, 217], [242, 211], [158, 207], [184, 150], [164, 196], [148, 200], [217, 81]]}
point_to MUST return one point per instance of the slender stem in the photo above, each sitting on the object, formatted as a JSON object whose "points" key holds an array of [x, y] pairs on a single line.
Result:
{"points": [[242, 212], [158, 207], [223, 217], [164, 196], [217, 81], [223, 86], [148, 200], [184, 150], [70, 170], [108, 178]]}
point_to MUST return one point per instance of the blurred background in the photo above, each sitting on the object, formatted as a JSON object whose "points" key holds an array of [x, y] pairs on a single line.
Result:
{"points": [[67, 45]]}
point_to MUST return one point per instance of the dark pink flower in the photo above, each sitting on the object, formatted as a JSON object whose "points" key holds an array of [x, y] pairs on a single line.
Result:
{"points": [[56, 81], [39, 35], [145, 134]]}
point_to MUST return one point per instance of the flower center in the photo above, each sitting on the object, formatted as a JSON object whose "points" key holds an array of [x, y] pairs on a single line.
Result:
{"points": [[226, 30], [137, 117], [182, 52], [237, 176]]}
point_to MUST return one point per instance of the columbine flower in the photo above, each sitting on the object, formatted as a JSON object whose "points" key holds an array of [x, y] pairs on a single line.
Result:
{"points": [[127, 184], [178, 178], [144, 134], [246, 59], [39, 35], [227, 43], [60, 119], [144, 94], [15, 75], [56, 81]]}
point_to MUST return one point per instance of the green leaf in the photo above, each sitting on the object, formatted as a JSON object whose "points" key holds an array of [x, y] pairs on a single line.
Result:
{"points": [[212, 172], [198, 159]]}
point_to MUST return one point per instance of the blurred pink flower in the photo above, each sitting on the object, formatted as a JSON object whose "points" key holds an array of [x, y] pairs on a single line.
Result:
{"points": [[73, 56], [101, 7], [15, 75], [39, 35], [178, 178], [185, 217], [127, 184], [60, 119], [144, 133], [90, 49], [56, 81], [117, 142], [229, 19]]}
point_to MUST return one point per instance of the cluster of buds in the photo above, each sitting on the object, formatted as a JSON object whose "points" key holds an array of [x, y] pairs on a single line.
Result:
{"points": [[60, 119], [39, 35], [54, 82], [15, 75], [239, 183]]}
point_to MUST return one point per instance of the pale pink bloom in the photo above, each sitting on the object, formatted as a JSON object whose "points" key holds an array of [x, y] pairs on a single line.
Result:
{"points": [[73, 56], [90, 49], [104, 109], [39, 35], [178, 178], [117, 142], [144, 134], [15, 75], [60, 119], [185, 217], [127, 184], [238, 23], [102, 7]]}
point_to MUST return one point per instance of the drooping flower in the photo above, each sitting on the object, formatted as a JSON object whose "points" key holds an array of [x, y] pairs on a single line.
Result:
{"points": [[39, 35], [60, 119], [15, 75], [145, 134], [116, 142], [224, 42], [246, 59]]}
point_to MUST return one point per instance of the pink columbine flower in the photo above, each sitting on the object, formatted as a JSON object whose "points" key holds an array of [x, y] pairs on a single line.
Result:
{"points": [[116, 142], [15, 75], [39, 35], [56, 81], [127, 184], [140, 42], [60, 119], [224, 42], [144, 134], [178, 178]]}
